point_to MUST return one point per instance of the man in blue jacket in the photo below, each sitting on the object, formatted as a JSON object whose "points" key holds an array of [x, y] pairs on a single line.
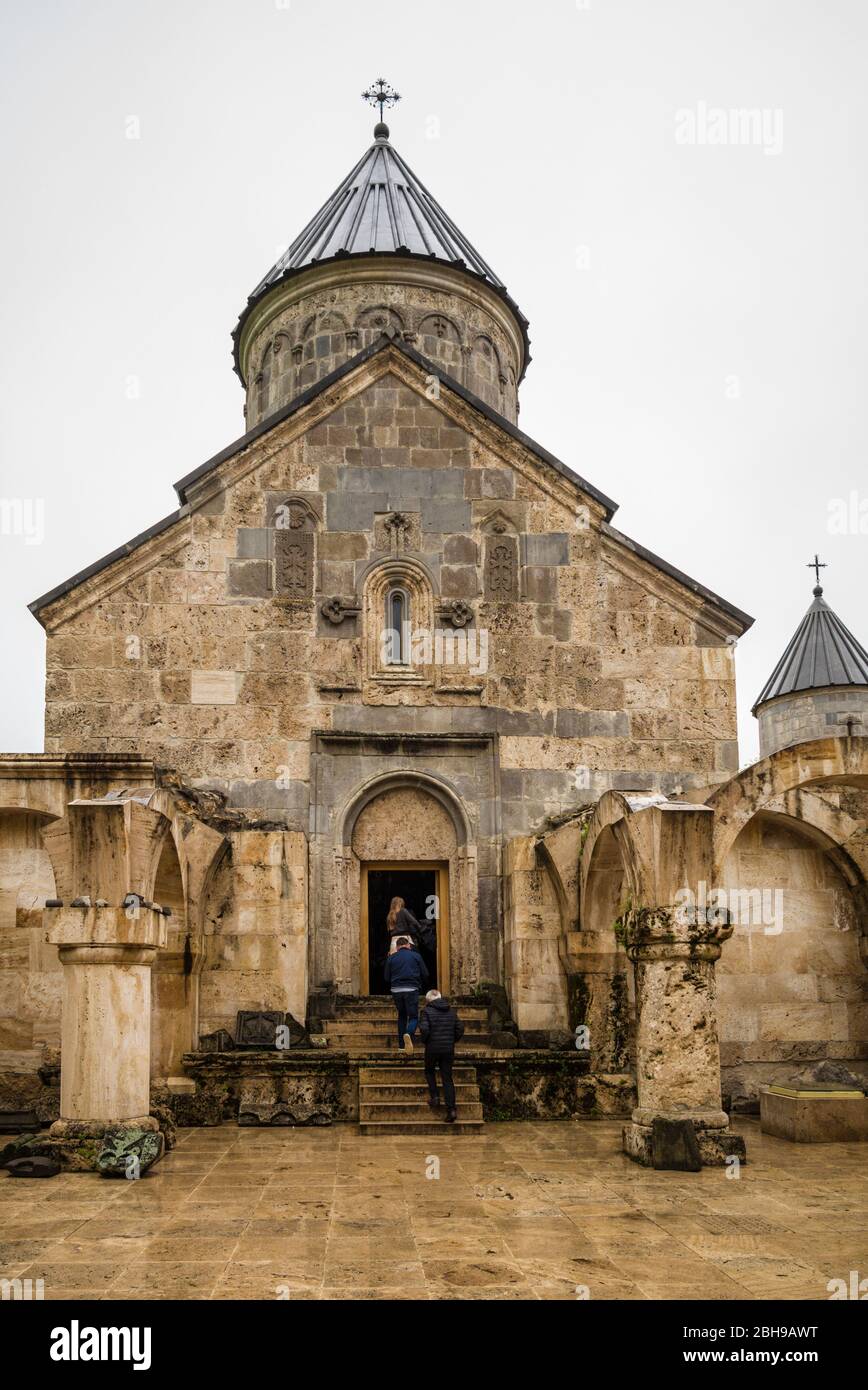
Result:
{"points": [[406, 977]]}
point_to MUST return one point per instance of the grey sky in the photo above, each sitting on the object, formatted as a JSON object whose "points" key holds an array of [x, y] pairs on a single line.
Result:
{"points": [[697, 310]]}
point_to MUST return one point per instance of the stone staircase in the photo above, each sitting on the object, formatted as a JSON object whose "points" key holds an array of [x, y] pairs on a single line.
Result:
{"points": [[370, 1025], [394, 1100]]}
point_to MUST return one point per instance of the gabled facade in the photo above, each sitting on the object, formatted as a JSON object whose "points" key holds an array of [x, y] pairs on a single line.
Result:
{"points": [[387, 645]]}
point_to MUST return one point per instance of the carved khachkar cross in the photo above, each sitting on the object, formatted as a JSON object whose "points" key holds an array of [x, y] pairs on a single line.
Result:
{"points": [[293, 569], [294, 564], [501, 570]]}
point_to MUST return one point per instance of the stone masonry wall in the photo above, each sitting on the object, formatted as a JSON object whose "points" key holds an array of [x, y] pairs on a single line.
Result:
{"points": [[226, 648], [796, 996], [599, 671], [321, 328], [809, 715]]}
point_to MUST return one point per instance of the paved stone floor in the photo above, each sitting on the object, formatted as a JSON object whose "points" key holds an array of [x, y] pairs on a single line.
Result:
{"points": [[525, 1211]]}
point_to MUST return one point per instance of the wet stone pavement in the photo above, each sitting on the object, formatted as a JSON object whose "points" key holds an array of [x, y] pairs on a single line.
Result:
{"points": [[524, 1211]]}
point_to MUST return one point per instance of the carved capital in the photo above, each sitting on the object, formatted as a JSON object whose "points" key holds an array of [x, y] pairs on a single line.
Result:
{"points": [[671, 933]]}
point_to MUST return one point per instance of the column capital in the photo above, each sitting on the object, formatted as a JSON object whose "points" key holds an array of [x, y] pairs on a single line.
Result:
{"points": [[672, 933], [125, 929]]}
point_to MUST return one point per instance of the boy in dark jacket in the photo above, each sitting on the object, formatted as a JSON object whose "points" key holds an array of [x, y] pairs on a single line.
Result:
{"points": [[406, 977], [441, 1029]]}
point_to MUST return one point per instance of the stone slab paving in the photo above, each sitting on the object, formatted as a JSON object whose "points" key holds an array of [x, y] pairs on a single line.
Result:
{"points": [[526, 1211]]}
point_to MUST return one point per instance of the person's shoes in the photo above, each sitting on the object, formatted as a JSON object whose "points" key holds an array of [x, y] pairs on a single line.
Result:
{"points": [[451, 1117], [434, 1102], [408, 1044]]}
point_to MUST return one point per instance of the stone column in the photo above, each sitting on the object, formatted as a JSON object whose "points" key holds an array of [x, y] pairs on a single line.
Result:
{"points": [[677, 1049], [105, 854], [106, 954], [674, 941]]}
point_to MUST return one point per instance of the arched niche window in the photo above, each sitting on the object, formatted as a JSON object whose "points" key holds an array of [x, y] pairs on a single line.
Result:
{"points": [[398, 623], [399, 626]]}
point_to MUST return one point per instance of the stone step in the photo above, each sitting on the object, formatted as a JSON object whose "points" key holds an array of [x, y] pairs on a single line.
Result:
{"points": [[387, 1129], [388, 1043], [376, 1008], [411, 1074], [381, 1051], [378, 1092], [343, 1027], [394, 1101], [418, 1111]]}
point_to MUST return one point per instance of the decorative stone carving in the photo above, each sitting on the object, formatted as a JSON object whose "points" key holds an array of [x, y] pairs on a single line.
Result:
{"points": [[413, 579], [336, 611], [457, 613], [128, 1150], [293, 564], [397, 526], [398, 532], [295, 514], [501, 567], [257, 1029]]}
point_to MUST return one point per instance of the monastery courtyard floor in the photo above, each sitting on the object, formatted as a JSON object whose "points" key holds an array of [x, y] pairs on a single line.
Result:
{"points": [[525, 1211]]}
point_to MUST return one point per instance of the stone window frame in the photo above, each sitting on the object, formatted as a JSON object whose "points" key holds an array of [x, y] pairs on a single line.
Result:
{"points": [[411, 577], [399, 591]]}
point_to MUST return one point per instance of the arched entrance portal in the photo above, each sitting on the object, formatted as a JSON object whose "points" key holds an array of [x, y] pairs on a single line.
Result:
{"points": [[405, 835], [404, 840], [424, 888]]}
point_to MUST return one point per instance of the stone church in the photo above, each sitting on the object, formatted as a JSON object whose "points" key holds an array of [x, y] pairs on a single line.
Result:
{"points": [[387, 644]]}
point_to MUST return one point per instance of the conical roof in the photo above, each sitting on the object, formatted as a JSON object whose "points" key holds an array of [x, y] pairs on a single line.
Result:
{"points": [[821, 653], [381, 209]]}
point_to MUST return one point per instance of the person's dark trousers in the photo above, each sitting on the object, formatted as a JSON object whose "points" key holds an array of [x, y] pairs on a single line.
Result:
{"points": [[444, 1061], [407, 1004]]}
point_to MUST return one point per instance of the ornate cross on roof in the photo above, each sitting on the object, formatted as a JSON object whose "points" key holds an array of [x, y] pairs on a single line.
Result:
{"points": [[382, 95], [816, 565]]}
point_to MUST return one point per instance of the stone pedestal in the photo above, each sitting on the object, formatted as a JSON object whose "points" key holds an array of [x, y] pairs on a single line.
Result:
{"points": [[106, 954], [678, 1055], [814, 1118]]}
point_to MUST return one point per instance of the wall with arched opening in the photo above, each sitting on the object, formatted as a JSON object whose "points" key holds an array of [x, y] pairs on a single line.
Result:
{"points": [[30, 974], [172, 982], [402, 817], [602, 981], [792, 986], [253, 947]]}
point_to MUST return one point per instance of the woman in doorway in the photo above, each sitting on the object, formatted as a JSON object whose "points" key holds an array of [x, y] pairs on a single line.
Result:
{"points": [[401, 922]]}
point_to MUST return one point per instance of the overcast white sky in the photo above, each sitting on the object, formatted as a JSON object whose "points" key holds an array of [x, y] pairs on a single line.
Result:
{"points": [[697, 310]]}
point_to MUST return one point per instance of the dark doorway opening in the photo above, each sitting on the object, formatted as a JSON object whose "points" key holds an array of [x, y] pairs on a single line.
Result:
{"points": [[418, 888]]}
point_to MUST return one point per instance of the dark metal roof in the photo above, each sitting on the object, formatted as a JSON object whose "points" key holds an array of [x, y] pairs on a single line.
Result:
{"points": [[380, 209], [821, 653]]}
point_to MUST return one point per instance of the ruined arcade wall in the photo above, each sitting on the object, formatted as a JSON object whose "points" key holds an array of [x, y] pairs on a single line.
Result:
{"points": [[790, 998]]}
